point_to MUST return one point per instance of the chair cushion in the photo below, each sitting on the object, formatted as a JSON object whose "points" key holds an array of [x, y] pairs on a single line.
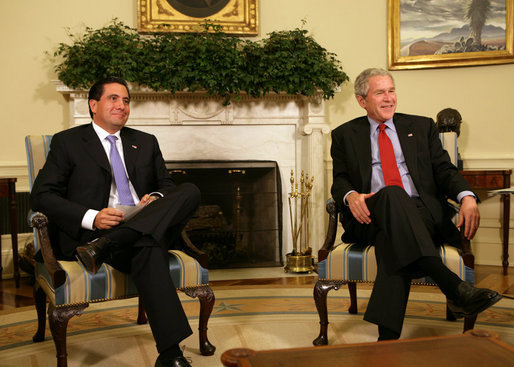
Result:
{"points": [[185, 271], [357, 263], [109, 283]]}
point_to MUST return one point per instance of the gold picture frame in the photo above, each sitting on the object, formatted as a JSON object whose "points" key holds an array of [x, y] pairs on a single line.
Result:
{"points": [[413, 41], [236, 17]]}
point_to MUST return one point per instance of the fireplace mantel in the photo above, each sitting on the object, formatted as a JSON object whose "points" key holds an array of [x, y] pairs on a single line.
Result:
{"points": [[194, 126]]}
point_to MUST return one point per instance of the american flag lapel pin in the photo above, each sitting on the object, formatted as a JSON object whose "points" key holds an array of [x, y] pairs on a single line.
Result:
{"points": [[134, 146], [410, 135]]}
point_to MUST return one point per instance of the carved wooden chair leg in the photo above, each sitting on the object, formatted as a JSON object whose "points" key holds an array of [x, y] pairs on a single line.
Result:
{"points": [[352, 289], [321, 290], [58, 320], [40, 303], [141, 313], [206, 297], [469, 322]]}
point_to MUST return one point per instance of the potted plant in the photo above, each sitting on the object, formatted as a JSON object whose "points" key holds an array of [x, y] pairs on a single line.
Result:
{"points": [[286, 61]]}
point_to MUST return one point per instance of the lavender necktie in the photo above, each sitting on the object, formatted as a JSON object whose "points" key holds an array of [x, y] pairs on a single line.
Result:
{"points": [[120, 177]]}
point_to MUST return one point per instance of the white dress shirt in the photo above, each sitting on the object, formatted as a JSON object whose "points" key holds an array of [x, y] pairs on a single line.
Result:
{"points": [[89, 218]]}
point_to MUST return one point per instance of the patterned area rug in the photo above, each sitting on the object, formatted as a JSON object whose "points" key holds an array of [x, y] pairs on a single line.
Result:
{"points": [[252, 317]]}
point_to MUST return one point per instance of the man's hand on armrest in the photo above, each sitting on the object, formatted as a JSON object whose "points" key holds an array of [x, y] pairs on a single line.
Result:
{"points": [[469, 216]]}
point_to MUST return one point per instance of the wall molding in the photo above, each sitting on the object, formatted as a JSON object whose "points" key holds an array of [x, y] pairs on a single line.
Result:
{"points": [[17, 169], [504, 161]]}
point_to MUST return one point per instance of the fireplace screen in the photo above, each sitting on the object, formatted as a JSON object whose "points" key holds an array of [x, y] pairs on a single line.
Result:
{"points": [[238, 223]]}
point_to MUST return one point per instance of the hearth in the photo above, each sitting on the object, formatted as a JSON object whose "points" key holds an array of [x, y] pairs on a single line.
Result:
{"points": [[239, 222]]}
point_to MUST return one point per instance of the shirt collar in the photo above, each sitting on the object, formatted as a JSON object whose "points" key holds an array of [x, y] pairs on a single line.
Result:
{"points": [[102, 134], [373, 125]]}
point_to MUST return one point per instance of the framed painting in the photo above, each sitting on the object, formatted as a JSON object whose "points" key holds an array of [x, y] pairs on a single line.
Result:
{"points": [[237, 17], [449, 33]]}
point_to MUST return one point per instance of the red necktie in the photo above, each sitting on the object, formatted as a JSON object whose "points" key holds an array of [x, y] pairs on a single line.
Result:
{"points": [[387, 159]]}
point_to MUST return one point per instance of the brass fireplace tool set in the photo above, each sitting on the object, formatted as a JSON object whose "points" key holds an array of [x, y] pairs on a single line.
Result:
{"points": [[300, 259]]}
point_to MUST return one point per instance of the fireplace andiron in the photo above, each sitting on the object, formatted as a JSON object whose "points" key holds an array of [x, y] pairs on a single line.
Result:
{"points": [[300, 259]]}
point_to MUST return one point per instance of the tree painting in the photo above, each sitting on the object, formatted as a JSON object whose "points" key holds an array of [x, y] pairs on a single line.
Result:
{"points": [[478, 11], [436, 27]]}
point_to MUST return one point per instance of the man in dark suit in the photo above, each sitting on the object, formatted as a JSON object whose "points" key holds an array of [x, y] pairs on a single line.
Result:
{"points": [[391, 180], [93, 168]]}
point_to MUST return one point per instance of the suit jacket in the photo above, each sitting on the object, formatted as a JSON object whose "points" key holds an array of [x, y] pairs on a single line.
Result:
{"points": [[431, 170], [77, 177]]}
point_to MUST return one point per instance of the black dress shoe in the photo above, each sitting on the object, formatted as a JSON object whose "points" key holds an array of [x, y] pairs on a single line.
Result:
{"points": [[470, 301], [174, 362], [94, 253]]}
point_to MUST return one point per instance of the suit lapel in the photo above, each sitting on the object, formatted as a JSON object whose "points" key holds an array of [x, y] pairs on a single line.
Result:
{"points": [[95, 149], [406, 135], [362, 146], [130, 153]]}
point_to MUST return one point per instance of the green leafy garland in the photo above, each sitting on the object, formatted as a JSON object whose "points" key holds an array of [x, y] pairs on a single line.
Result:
{"points": [[225, 66]]}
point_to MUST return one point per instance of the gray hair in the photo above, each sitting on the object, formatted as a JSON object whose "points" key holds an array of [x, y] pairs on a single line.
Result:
{"points": [[362, 82]]}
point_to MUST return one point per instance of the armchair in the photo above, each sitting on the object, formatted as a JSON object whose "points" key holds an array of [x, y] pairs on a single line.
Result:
{"points": [[70, 289], [353, 263]]}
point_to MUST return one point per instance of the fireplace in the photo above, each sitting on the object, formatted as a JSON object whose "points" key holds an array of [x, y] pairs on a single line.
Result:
{"points": [[239, 221]]}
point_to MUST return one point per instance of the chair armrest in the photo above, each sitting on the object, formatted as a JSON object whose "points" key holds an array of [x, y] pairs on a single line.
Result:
{"points": [[193, 251], [331, 231], [465, 244], [57, 274], [453, 205]]}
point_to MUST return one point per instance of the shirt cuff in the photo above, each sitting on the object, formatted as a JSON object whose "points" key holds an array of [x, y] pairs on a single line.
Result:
{"points": [[465, 193], [348, 193], [88, 220]]}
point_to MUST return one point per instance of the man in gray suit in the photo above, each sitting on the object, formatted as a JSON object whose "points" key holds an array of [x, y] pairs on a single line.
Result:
{"points": [[93, 168], [391, 182]]}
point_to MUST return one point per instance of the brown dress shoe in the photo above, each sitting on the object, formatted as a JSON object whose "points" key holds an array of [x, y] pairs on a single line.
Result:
{"points": [[94, 253], [180, 361], [470, 301]]}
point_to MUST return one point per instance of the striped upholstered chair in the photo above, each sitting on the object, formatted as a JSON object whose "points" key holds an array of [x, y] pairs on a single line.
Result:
{"points": [[352, 263], [69, 288]]}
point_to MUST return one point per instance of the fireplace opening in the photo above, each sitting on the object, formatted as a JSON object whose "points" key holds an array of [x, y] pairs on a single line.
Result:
{"points": [[239, 221]]}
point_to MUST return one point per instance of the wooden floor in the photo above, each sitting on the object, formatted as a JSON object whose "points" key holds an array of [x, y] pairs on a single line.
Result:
{"points": [[485, 277]]}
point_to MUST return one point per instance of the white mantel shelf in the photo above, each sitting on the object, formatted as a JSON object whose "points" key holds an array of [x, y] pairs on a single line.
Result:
{"points": [[193, 126]]}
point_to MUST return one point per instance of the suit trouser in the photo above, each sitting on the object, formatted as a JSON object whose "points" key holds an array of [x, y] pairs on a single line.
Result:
{"points": [[402, 231], [147, 261]]}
